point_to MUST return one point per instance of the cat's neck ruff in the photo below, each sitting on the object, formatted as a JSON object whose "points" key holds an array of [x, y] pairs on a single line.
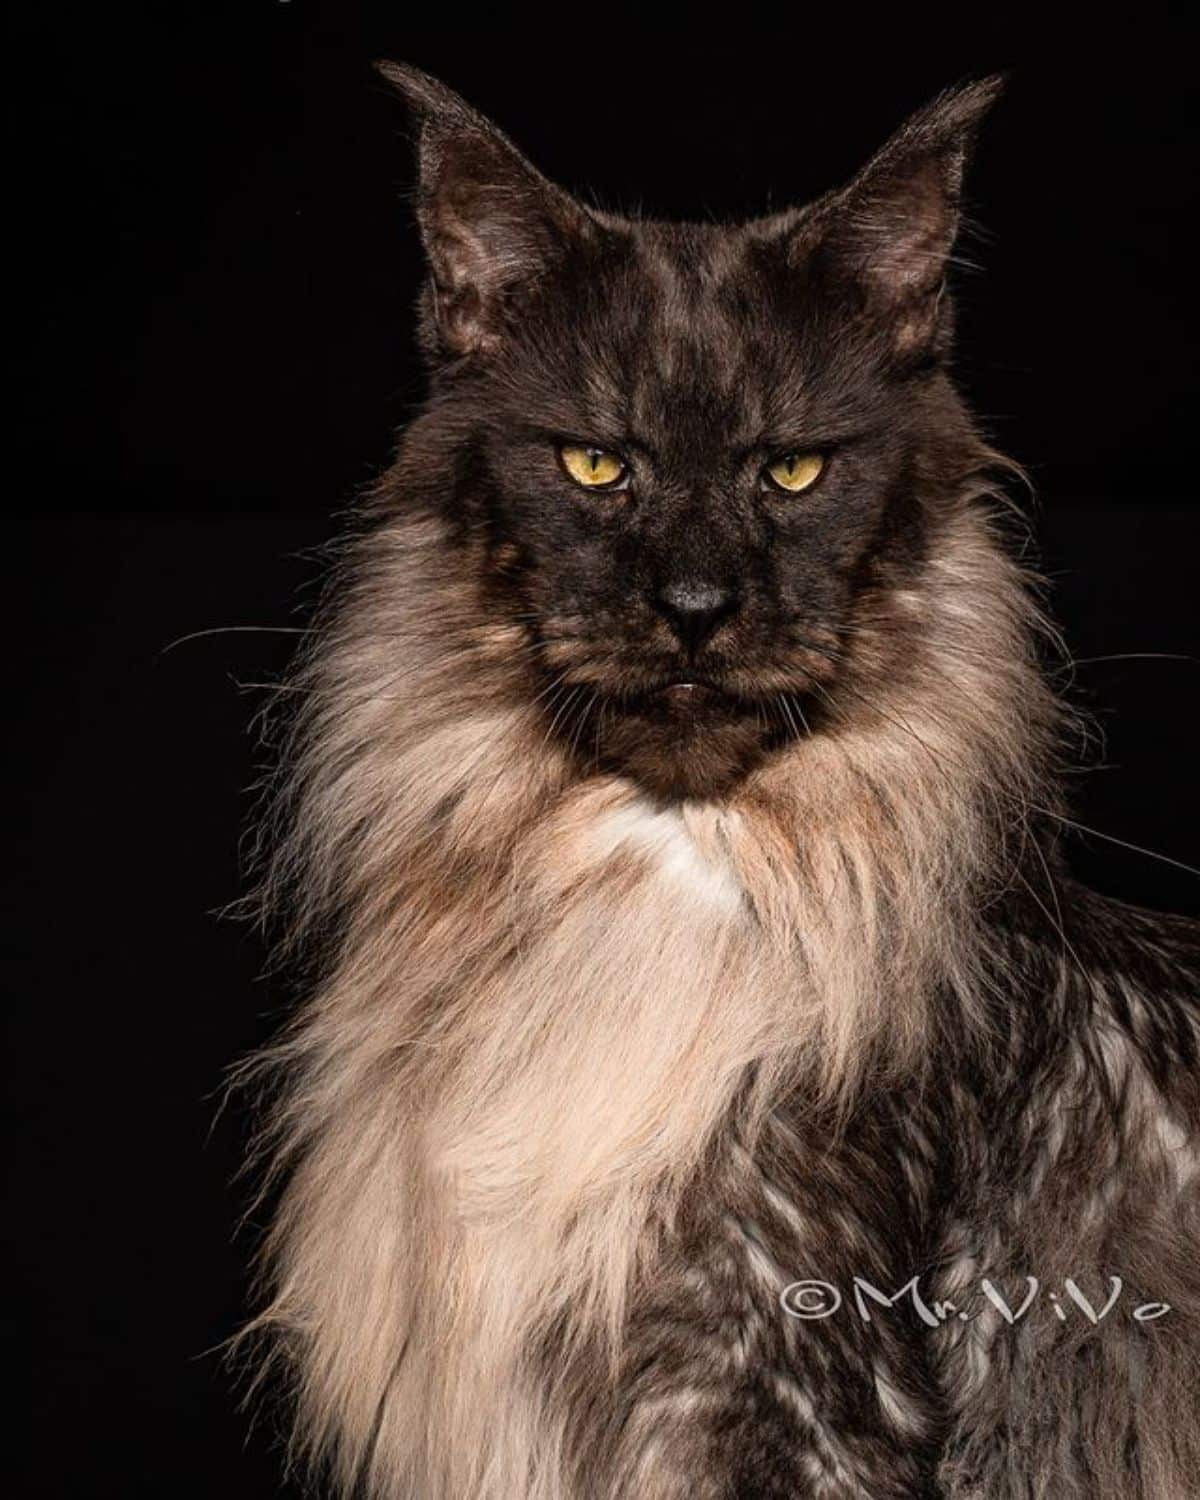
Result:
{"points": [[429, 778]]}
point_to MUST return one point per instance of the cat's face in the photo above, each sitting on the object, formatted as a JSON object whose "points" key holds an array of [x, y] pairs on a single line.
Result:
{"points": [[699, 458]]}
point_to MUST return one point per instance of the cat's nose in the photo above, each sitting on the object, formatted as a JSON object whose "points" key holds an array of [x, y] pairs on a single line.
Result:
{"points": [[693, 609]]}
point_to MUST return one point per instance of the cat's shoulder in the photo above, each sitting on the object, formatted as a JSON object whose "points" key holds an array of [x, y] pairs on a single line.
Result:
{"points": [[1141, 972], [1165, 943]]}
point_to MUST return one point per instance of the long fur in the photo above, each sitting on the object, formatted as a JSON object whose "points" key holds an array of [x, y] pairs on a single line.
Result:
{"points": [[588, 1074]]}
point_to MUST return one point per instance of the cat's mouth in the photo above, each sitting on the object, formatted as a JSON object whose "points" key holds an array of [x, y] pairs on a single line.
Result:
{"points": [[686, 698], [683, 734], [689, 690]]}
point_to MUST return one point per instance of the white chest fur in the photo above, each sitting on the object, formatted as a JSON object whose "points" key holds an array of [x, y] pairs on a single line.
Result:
{"points": [[683, 865]]}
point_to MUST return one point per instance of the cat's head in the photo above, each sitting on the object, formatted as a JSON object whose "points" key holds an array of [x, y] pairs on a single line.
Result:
{"points": [[695, 464]]}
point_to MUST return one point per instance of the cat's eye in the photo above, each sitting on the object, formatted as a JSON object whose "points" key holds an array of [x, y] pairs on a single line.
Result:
{"points": [[793, 473], [594, 468]]}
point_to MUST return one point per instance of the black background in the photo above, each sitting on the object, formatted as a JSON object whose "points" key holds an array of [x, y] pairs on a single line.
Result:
{"points": [[214, 274]]}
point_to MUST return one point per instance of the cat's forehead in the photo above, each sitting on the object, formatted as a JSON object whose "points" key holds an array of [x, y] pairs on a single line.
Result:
{"points": [[702, 332], [698, 340], [697, 280], [691, 260]]}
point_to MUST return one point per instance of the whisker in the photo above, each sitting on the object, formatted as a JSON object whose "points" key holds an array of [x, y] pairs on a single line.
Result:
{"points": [[1087, 661], [197, 635], [1110, 838]]}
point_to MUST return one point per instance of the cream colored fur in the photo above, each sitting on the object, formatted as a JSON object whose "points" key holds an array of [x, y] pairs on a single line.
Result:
{"points": [[551, 994]]}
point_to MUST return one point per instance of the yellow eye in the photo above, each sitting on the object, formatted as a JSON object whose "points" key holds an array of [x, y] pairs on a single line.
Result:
{"points": [[593, 467], [795, 471]]}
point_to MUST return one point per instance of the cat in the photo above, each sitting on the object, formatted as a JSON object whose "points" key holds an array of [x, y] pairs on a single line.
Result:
{"points": [[705, 1039]]}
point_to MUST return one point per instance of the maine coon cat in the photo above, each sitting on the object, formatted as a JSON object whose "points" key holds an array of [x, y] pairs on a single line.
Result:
{"points": [[669, 829]]}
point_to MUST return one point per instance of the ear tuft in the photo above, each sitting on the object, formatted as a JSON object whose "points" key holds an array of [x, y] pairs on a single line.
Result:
{"points": [[953, 117], [491, 224], [425, 95]]}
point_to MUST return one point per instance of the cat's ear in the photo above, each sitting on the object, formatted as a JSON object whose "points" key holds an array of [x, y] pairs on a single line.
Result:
{"points": [[892, 228], [491, 223]]}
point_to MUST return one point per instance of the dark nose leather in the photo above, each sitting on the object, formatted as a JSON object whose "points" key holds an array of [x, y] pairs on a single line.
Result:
{"points": [[693, 609]]}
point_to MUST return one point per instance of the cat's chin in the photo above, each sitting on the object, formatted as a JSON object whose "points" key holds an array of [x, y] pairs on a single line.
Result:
{"points": [[686, 738]]}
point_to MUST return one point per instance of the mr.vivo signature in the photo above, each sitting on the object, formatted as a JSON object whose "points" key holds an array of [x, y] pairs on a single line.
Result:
{"points": [[813, 1300]]}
